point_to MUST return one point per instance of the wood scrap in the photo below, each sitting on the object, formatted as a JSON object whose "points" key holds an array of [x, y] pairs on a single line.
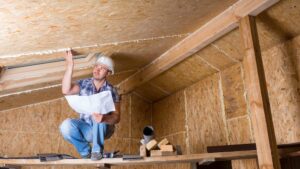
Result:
{"points": [[151, 145], [166, 148], [163, 142]]}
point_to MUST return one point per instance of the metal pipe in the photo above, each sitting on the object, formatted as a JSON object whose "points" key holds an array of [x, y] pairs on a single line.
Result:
{"points": [[43, 62]]}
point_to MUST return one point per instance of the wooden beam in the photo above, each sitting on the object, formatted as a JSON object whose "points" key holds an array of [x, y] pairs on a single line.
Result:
{"points": [[32, 75], [258, 97], [214, 29], [144, 161]]}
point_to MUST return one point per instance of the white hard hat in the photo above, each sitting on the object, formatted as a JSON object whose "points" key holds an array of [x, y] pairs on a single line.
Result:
{"points": [[105, 60]]}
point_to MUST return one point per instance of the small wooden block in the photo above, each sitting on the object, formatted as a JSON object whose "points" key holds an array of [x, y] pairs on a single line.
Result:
{"points": [[163, 142], [154, 153], [151, 145], [166, 148], [143, 151]]}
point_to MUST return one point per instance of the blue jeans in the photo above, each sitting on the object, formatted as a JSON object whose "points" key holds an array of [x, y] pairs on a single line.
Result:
{"points": [[80, 134]]}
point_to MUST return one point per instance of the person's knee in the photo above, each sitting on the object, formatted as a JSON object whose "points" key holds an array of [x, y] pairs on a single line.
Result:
{"points": [[66, 127]]}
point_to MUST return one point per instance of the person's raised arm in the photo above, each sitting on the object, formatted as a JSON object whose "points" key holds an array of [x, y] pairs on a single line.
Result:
{"points": [[67, 87]]}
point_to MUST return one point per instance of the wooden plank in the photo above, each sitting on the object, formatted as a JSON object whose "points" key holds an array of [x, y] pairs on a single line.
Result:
{"points": [[144, 161], [151, 145], [166, 148], [26, 76], [214, 29], [258, 97], [220, 156], [164, 141]]}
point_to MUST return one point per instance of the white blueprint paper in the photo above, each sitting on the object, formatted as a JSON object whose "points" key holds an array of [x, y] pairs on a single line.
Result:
{"points": [[98, 103]]}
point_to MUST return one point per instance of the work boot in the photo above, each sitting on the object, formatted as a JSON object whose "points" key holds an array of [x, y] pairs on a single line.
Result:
{"points": [[96, 156], [86, 157]]}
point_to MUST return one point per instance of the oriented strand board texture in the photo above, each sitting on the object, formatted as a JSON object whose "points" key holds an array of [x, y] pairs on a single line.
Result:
{"points": [[34, 26], [204, 115], [151, 91], [294, 47], [140, 116], [284, 92], [169, 122], [216, 57], [184, 74], [34, 128], [209, 100], [233, 91], [169, 115]]}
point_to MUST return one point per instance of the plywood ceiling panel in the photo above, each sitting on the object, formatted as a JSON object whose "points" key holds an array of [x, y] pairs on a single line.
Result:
{"points": [[34, 26], [184, 74]]}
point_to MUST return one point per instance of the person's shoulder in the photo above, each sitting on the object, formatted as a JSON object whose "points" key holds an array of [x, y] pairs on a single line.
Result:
{"points": [[108, 84], [84, 81]]}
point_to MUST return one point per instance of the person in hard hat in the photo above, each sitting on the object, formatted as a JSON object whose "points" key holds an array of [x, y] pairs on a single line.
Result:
{"points": [[96, 127]]}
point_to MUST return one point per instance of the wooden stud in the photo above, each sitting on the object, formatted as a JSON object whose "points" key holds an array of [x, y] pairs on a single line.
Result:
{"points": [[32, 75], [258, 97], [214, 29]]}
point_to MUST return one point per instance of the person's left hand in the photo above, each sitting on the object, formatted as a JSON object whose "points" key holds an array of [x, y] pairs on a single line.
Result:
{"points": [[98, 117]]}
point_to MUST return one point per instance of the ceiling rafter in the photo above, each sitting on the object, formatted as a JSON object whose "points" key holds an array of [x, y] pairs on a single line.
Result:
{"points": [[214, 29], [43, 73]]}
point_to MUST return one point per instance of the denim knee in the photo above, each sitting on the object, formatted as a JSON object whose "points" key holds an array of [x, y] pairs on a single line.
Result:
{"points": [[66, 127]]}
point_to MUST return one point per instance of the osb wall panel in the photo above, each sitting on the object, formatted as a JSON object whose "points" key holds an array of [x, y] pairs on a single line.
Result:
{"points": [[216, 57], [231, 45], [233, 91], [239, 131], [34, 129], [123, 128], [140, 115], [204, 115], [169, 115], [151, 91], [294, 47], [283, 89], [169, 122], [184, 74]]}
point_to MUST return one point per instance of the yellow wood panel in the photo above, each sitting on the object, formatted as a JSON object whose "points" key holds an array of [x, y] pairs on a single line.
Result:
{"points": [[233, 91], [204, 115], [169, 115], [184, 74]]}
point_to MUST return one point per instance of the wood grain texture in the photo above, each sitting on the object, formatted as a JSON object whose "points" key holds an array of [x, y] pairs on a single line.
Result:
{"points": [[205, 119], [169, 115], [123, 128], [261, 116], [55, 24], [140, 116], [216, 28], [283, 87], [184, 74], [233, 91]]}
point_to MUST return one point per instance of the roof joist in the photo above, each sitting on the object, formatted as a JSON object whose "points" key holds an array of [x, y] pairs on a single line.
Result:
{"points": [[31, 75], [214, 29]]}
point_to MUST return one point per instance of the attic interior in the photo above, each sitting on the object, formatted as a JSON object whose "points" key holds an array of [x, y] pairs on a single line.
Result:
{"points": [[179, 66]]}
